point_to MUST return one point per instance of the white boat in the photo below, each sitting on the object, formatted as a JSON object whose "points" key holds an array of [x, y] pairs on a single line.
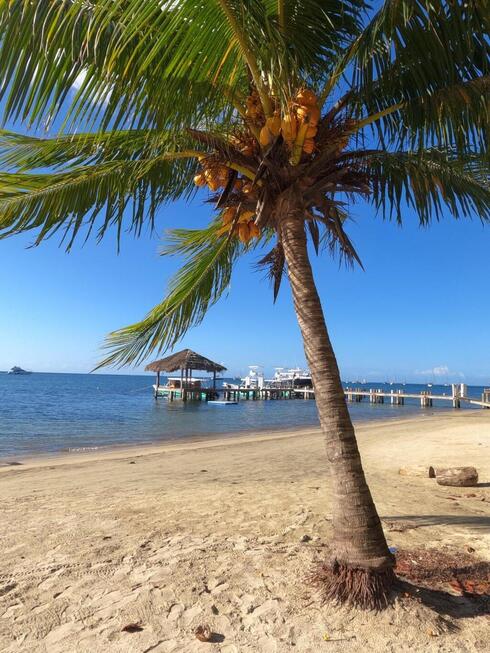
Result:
{"points": [[293, 377], [254, 379], [18, 370]]}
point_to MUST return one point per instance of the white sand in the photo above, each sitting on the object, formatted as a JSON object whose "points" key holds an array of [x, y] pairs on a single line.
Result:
{"points": [[211, 532]]}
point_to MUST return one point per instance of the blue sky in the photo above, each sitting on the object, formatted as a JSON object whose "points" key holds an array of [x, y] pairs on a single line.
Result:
{"points": [[419, 312]]}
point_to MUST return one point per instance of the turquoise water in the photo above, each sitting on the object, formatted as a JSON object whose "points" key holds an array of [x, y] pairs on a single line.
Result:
{"points": [[47, 413]]}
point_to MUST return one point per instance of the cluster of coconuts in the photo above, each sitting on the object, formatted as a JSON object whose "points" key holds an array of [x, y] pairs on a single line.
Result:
{"points": [[216, 176], [241, 222], [298, 126], [213, 175], [299, 122]]}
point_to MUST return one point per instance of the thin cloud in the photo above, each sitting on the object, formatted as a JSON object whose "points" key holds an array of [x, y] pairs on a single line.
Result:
{"points": [[440, 371]]}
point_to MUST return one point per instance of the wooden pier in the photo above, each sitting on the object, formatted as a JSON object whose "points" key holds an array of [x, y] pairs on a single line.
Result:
{"points": [[426, 399], [187, 393], [186, 388], [235, 394], [397, 397]]}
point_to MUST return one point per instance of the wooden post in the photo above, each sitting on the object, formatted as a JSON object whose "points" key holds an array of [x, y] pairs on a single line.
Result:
{"points": [[486, 397], [158, 385]]}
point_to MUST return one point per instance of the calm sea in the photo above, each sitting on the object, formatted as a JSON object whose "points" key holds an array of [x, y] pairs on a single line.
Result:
{"points": [[47, 413]]}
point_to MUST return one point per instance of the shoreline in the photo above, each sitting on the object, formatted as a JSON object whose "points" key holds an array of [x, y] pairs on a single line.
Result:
{"points": [[113, 452]]}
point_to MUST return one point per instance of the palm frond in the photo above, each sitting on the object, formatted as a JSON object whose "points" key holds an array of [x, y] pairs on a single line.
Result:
{"points": [[429, 60], [201, 281], [428, 181], [122, 192], [130, 60], [123, 78], [454, 114], [23, 152]]}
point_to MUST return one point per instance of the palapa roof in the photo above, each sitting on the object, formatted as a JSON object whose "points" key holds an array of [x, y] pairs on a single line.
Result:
{"points": [[184, 360]]}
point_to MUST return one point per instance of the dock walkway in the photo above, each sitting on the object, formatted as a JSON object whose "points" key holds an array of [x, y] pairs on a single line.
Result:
{"points": [[373, 395]]}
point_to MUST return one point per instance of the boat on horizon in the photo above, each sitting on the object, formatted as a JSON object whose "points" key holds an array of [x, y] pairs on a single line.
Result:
{"points": [[18, 370]]}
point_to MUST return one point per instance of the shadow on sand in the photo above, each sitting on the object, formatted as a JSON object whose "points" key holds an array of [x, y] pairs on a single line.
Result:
{"points": [[418, 521], [446, 604]]}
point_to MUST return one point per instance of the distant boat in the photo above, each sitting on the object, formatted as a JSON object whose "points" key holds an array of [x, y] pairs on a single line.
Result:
{"points": [[18, 370]]}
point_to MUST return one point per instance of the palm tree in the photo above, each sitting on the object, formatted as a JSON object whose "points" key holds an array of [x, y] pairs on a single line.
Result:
{"points": [[287, 110]]}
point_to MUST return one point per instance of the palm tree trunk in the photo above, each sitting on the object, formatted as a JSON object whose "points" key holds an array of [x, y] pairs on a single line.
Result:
{"points": [[361, 571]]}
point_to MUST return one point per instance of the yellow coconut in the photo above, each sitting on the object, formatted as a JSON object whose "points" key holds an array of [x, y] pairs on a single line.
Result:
{"points": [[200, 179], [244, 232], [309, 146], [229, 215], [213, 184], [302, 112], [245, 216], [306, 97], [265, 137], [273, 124], [311, 132]]}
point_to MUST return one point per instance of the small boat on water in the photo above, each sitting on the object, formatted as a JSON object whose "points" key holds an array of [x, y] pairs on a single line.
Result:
{"points": [[18, 370]]}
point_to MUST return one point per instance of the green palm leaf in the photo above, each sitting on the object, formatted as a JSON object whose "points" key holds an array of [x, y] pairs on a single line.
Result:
{"points": [[416, 62], [91, 176], [428, 182], [122, 192]]}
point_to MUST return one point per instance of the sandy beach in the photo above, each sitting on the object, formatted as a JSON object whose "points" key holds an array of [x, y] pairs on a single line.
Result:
{"points": [[226, 532]]}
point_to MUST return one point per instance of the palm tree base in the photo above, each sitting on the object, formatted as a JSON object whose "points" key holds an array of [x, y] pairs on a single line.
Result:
{"points": [[368, 589]]}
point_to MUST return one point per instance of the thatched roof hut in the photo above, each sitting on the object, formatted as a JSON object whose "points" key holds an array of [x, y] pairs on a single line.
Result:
{"points": [[184, 360]]}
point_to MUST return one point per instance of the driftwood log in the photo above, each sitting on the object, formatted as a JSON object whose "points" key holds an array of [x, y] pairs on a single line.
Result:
{"points": [[416, 470], [457, 476]]}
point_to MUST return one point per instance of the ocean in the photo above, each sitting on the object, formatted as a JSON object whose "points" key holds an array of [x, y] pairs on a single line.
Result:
{"points": [[52, 413]]}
